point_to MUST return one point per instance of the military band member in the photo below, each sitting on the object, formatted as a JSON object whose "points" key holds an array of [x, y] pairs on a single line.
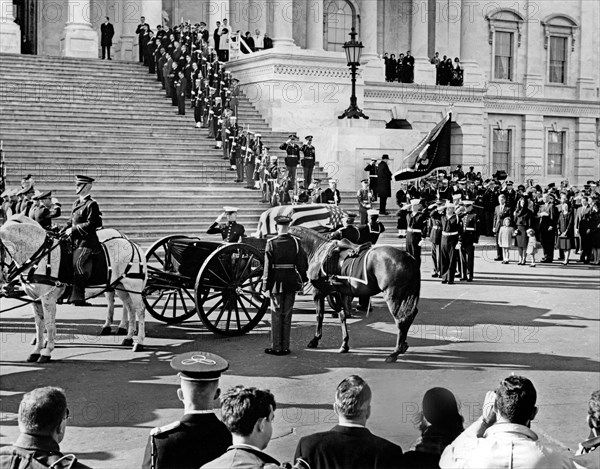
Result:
{"points": [[416, 230], [349, 231], [231, 231], [308, 161], [451, 231], [285, 269], [371, 168], [86, 218], [199, 437], [293, 156], [468, 238], [331, 195], [46, 210], [435, 235], [364, 197]]}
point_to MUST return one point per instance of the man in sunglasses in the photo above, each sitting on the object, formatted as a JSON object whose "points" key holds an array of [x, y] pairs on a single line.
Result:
{"points": [[43, 415]]}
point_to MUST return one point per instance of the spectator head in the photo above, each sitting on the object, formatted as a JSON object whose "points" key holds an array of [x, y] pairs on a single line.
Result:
{"points": [[530, 232], [440, 409], [515, 400], [248, 413], [224, 21], [257, 32], [218, 24], [594, 410], [407, 52], [107, 19], [437, 54], [247, 33], [506, 221], [502, 199], [44, 412], [353, 400], [456, 59], [143, 19], [393, 56]]}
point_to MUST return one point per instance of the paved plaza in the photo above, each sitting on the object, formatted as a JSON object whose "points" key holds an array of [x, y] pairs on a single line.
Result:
{"points": [[540, 322]]}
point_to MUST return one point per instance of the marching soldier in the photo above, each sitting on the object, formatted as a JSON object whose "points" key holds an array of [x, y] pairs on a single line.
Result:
{"points": [[231, 231], [435, 235], [371, 168], [331, 195], [468, 238], [86, 218], [46, 210], [364, 197], [349, 230], [308, 162], [199, 437], [292, 158], [416, 230], [285, 269], [451, 231]]}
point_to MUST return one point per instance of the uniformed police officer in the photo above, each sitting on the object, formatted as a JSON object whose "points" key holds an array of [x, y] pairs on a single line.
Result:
{"points": [[416, 230], [199, 437], [468, 238], [285, 269], [349, 231], [308, 161], [231, 231], [86, 218], [46, 210]]}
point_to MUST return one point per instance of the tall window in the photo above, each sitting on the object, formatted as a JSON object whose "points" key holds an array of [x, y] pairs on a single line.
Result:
{"points": [[558, 59], [556, 153], [503, 56], [501, 149], [340, 17]]}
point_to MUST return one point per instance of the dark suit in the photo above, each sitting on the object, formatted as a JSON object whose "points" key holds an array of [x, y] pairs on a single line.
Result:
{"points": [[468, 238], [348, 448], [188, 444], [231, 231], [384, 185], [451, 231], [435, 237], [181, 91], [140, 32], [107, 31], [330, 197], [500, 213], [548, 230], [372, 169]]}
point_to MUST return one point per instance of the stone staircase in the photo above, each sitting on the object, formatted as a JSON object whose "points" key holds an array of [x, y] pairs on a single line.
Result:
{"points": [[156, 173]]}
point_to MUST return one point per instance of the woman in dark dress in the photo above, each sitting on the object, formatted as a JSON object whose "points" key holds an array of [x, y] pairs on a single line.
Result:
{"points": [[523, 217], [566, 232]]}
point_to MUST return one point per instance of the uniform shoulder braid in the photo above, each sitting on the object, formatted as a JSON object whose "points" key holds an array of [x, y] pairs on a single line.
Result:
{"points": [[165, 428]]}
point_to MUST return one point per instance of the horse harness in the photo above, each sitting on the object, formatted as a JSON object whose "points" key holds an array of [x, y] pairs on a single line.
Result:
{"points": [[340, 262]]}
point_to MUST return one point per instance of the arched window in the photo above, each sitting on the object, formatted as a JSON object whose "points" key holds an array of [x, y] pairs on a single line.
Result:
{"points": [[339, 19], [505, 38], [559, 40]]}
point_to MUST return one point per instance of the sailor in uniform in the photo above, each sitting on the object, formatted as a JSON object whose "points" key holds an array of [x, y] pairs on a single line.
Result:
{"points": [[468, 238], [415, 230], [370, 232], [349, 231], [231, 231], [199, 437]]}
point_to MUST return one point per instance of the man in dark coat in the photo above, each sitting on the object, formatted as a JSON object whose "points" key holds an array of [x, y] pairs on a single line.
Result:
{"points": [[181, 91], [285, 269], [451, 231], [501, 212], [308, 160], [141, 29], [107, 31], [199, 437], [371, 168], [468, 239], [349, 445], [416, 230], [85, 220], [384, 184], [231, 231], [435, 235], [46, 210], [331, 195], [292, 150], [548, 215]]}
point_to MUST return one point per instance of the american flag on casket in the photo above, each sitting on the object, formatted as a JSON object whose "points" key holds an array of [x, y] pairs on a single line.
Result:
{"points": [[319, 217]]}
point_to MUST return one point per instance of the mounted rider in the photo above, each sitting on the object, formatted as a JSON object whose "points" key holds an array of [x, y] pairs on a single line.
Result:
{"points": [[86, 218]]}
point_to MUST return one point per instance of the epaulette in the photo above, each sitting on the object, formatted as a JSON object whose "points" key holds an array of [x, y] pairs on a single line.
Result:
{"points": [[164, 429]]}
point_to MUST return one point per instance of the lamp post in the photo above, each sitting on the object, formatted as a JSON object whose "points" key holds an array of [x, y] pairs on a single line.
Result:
{"points": [[353, 49]]}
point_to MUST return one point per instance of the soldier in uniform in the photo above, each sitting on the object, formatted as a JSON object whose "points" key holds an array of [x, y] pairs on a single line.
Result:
{"points": [[180, 88], [370, 232], [364, 197], [26, 206], [349, 231], [46, 210], [451, 230], [291, 160], [435, 235], [231, 231], [308, 162], [199, 437], [468, 238], [416, 230], [86, 218], [371, 168], [285, 269], [331, 195]]}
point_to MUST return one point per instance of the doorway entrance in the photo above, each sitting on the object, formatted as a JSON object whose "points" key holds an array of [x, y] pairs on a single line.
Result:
{"points": [[26, 15]]}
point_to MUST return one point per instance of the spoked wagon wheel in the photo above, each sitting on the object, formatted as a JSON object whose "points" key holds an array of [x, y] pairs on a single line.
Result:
{"points": [[227, 290], [168, 296]]}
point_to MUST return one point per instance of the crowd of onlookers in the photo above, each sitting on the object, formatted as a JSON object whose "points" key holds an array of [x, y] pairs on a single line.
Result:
{"points": [[502, 436], [448, 72]]}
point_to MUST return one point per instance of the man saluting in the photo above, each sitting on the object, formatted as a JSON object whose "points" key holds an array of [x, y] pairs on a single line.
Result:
{"points": [[86, 218], [231, 231]]}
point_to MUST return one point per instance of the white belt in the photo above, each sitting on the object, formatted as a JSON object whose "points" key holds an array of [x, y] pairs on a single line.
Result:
{"points": [[413, 230], [449, 233], [470, 229]]}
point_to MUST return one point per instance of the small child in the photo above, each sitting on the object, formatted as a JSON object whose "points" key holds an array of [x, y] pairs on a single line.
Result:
{"points": [[531, 246], [505, 239]]}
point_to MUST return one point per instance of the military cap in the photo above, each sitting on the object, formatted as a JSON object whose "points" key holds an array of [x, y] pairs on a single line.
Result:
{"points": [[551, 185], [233, 118], [229, 209], [199, 366], [373, 212], [333, 181], [385, 157], [29, 176], [589, 183], [283, 220], [316, 181], [468, 203], [293, 137], [25, 190], [80, 179], [273, 158], [437, 204], [364, 180], [415, 201], [308, 137], [456, 196], [521, 187], [39, 195], [257, 135], [509, 183], [202, 23], [450, 205]]}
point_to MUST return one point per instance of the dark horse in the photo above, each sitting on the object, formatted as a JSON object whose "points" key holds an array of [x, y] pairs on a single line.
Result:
{"points": [[386, 269]]}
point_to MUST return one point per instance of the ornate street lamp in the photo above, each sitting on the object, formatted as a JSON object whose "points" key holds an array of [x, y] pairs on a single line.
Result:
{"points": [[353, 49]]}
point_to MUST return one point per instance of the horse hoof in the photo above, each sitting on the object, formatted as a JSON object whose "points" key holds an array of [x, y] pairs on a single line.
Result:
{"points": [[33, 357], [105, 331], [121, 331], [393, 358], [344, 349], [313, 343], [127, 342], [43, 359], [137, 348]]}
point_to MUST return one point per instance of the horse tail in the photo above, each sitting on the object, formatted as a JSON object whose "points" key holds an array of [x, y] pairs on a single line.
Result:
{"points": [[409, 292]]}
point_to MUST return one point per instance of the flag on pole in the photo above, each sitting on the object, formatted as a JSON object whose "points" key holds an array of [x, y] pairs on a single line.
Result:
{"points": [[432, 152], [2, 168]]}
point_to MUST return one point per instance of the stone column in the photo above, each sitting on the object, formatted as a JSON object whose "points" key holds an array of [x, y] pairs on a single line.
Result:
{"points": [[152, 11], [470, 45], [129, 49], [79, 38], [586, 163], [257, 16], [424, 70], [281, 14], [314, 25], [534, 79], [10, 32], [373, 68], [585, 80]]}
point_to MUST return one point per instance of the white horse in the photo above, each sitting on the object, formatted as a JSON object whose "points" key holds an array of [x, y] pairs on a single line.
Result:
{"points": [[21, 238]]}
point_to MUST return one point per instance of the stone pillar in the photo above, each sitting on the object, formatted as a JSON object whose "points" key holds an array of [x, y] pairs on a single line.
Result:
{"points": [[585, 81], [257, 16], [372, 65], [533, 147], [585, 166], [79, 38], [314, 25], [129, 50], [10, 32], [470, 46], [534, 80], [419, 43], [281, 14], [152, 11]]}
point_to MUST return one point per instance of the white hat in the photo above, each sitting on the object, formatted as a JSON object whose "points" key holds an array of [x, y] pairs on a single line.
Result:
{"points": [[467, 203], [229, 209], [273, 158], [372, 212], [257, 135], [450, 205], [415, 201], [456, 197]]}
